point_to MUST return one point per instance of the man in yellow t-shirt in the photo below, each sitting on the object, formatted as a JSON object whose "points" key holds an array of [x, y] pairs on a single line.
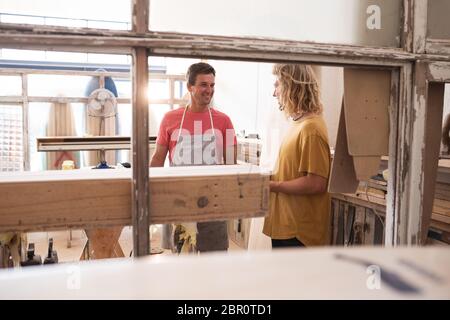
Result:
{"points": [[299, 212]]}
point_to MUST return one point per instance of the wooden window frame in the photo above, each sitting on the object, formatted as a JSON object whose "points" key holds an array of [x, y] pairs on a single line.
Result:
{"points": [[406, 131]]}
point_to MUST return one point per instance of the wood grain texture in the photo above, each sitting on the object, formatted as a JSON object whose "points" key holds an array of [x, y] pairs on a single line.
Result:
{"points": [[76, 199]]}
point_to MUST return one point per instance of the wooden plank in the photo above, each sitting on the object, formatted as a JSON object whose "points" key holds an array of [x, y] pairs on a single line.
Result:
{"points": [[366, 166], [340, 224], [335, 217], [181, 44], [116, 74], [366, 105], [441, 207], [140, 14], [392, 166], [400, 179], [433, 122], [369, 228], [14, 99], [140, 211], [103, 243], [342, 176], [361, 200], [407, 34], [140, 194], [358, 229], [349, 219], [420, 9], [100, 198], [440, 217]]}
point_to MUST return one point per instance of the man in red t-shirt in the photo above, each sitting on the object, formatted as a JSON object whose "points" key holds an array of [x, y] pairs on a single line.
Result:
{"points": [[198, 135]]}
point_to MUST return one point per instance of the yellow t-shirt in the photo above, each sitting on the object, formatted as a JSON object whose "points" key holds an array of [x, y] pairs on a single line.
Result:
{"points": [[304, 150]]}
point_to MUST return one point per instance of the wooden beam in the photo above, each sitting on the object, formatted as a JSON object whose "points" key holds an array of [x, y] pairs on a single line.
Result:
{"points": [[402, 157], [205, 46], [420, 8], [140, 16], [438, 46], [90, 198], [391, 198], [407, 32], [140, 151], [435, 105], [157, 76], [140, 194], [20, 100]]}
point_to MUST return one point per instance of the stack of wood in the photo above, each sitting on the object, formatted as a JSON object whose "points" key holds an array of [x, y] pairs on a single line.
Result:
{"points": [[249, 150]]}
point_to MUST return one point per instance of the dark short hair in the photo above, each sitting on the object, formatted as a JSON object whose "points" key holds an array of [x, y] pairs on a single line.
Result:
{"points": [[196, 69]]}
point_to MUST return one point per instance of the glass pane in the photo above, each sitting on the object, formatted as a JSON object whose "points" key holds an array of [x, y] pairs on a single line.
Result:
{"points": [[101, 14], [10, 86], [124, 119], [156, 113], [358, 22], [158, 89], [57, 85], [11, 138], [123, 87], [438, 21], [54, 119]]}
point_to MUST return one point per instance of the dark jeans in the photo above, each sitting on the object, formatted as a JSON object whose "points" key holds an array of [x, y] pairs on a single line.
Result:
{"points": [[284, 243]]}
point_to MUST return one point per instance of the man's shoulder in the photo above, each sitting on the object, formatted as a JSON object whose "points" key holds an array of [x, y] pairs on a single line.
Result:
{"points": [[174, 113], [219, 114]]}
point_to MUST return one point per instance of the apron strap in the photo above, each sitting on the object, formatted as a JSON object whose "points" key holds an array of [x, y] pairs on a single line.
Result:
{"points": [[182, 121]]}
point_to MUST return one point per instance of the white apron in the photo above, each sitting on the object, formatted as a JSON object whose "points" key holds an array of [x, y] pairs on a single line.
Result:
{"points": [[199, 150]]}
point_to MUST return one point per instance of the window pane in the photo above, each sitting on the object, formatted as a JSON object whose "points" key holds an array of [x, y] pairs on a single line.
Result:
{"points": [[360, 22], [57, 85], [438, 21], [158, 89], [102, 14], [11, 138], [10, 86]]}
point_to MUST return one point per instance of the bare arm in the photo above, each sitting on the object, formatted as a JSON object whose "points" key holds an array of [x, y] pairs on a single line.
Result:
{"points": [[159, 157], [309, 184]]}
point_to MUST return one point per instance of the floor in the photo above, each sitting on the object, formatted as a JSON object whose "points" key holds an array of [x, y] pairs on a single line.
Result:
{"points": [[70, 245]]}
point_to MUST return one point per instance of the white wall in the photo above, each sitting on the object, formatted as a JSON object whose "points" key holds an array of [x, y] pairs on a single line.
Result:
{"points": [[330, 21], [112, 10]]}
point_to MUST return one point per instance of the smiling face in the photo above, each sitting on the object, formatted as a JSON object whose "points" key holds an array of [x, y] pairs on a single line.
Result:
{"points": [[202, 91]]}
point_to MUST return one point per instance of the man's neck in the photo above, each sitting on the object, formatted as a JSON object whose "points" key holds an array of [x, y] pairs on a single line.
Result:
{"points": [[198, 108]]}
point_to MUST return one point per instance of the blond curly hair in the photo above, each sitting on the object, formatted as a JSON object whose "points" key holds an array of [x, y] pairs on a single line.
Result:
{"points": [[299, 89]]}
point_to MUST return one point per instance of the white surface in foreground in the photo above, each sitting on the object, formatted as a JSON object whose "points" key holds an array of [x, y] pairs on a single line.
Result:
{"points": [[284, 274]]}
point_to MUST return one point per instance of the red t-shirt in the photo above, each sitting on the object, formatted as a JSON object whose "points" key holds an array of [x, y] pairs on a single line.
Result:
{"points": [[170, 125]]}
